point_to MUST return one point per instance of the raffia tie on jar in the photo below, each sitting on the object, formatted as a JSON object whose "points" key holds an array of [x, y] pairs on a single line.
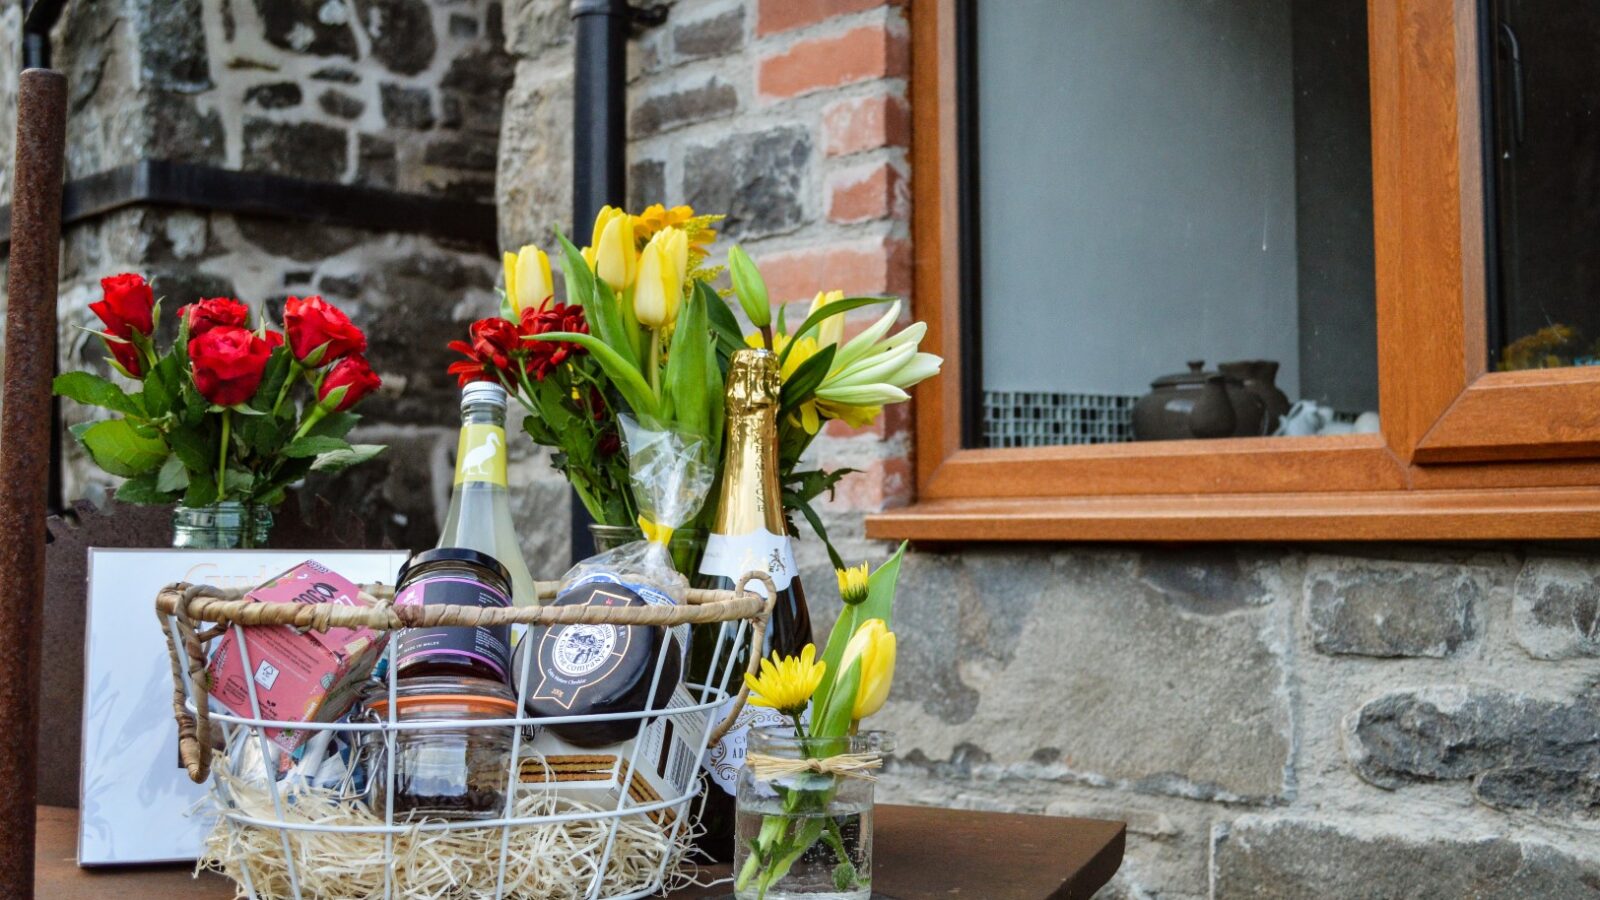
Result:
{"points": [[847, 765]]}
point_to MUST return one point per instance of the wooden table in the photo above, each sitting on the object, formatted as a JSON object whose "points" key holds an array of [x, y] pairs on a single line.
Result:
{"points": [[920, 852]]}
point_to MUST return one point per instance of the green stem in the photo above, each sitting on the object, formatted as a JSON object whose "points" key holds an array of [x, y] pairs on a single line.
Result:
{"points": [[222, 453], [283, 390], [655, 364]]}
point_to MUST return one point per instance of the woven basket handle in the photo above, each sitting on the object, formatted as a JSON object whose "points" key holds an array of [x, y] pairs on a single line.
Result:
{"points": [[758, 647]]}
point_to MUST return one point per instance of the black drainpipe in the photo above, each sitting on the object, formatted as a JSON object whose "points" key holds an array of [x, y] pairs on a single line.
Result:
{"points": [[599, 139]]}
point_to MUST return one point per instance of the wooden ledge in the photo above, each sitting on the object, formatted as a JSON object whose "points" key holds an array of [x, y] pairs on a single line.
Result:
{"points": [[1506, 514]]}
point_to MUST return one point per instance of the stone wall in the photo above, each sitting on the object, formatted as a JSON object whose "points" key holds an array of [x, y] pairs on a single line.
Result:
{"points": [[1329, 721]]}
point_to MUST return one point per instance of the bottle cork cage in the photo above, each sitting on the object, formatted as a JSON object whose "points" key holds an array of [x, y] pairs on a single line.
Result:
{"points": [[598, 824]]}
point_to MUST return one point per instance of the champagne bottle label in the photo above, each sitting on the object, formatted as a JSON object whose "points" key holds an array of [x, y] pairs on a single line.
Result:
{"points": [[724, 760], [481, 454], [732, 555]]}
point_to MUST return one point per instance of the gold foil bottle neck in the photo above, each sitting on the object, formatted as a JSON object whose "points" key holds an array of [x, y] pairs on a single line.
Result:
{"points": [[753, 380]]}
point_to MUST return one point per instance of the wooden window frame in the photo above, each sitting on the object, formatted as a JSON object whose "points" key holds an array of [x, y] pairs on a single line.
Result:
{"points": [[1463, 453]]}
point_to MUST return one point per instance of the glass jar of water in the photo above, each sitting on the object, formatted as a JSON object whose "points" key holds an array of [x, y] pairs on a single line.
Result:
{"points": [[804, 821]]}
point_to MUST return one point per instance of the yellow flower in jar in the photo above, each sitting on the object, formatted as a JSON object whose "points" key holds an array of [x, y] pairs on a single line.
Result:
{"points": [[873, 649], [787, 683]]}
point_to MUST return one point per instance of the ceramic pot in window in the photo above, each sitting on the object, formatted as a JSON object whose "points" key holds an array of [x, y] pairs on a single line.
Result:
{"points": [[1258, 377], [1192, 404]]}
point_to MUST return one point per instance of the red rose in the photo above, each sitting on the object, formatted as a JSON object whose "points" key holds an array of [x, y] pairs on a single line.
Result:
{"points": [[544, 356], [228, 362], [127, 356], [318, 332], [274, 339], [205, 315], [355, 376], [127, 305]]}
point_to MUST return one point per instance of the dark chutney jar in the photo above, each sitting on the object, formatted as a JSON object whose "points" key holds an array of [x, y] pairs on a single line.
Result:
{"points": [[454, 576], [456, 772]]}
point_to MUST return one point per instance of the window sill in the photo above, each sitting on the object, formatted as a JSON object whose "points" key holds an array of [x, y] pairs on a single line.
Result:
{"points": [[1502, 514]]}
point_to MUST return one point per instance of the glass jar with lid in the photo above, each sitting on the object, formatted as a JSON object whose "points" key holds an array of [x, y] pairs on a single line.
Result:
{"points": [[454, 576], [455, 772]]}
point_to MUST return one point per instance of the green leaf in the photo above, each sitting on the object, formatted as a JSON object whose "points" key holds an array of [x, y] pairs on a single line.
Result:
{"points": [[117, 447], [162, 384], [335, 424], [202, 491], [290, 471], [238, 482], [837, 307], [840, 702], [802, 385], [580, 281], [336, 460], [172, 476], [618, 327], [880, 590], [692, 349], [197, 448], [264, 434], [92, 390], [791, 500], [726, 327], [627, 379], [315, 445], [143, 490], [272, 378]]}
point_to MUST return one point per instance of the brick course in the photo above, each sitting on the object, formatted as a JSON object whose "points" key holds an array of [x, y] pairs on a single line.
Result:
{"points": [[864, 54]]}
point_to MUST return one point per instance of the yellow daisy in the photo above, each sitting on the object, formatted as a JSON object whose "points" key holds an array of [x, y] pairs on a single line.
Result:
{"points": [[787, 683]]}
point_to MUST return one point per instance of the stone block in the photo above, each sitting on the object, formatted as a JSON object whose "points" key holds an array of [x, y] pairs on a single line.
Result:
{"points": [[754, 178], [376, 162], [461, 26], [1556, 608], [299, 241], [337, 74], [172, 45], [1365, 607], [647, 183], [535, 171], [715, 35], [338, 103], [181, 131], [307, 26], [1095, 658], [1290, 858], [684, 105], [302, 149], [276, 95], [537, 25], [1521, 751], [483, 73], [400, 33], [406, 107], [462, 152]]}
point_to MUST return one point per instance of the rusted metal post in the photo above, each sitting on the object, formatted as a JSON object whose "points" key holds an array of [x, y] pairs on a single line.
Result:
{"points": [[25, 454]]}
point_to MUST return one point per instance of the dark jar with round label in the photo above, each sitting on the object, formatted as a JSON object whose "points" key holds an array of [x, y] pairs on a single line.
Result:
{"points": [[454, 576], [600, 669]]}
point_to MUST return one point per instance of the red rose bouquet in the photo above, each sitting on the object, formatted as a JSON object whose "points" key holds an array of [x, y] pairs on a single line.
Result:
{"points": [[214, 417]]}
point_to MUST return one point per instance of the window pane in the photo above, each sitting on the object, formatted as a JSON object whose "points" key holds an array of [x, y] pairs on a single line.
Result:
{"points": [[1543, 99], [1161, 181]]}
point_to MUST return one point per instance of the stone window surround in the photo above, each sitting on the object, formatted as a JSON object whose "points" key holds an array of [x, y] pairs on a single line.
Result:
{"points": [[1464, 454]]}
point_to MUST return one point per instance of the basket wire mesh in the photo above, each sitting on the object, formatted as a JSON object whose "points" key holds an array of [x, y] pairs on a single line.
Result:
{"points": [[706, 699]]}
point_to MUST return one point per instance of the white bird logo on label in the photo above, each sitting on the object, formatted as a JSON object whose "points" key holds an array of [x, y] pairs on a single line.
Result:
{"points": [[478, 458]]}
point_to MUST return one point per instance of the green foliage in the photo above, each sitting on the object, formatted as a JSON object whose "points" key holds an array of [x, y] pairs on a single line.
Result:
{"points": [[122, 449]]}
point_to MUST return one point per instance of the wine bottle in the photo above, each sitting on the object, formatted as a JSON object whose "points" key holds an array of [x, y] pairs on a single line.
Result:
{"points": [[480, 510], [749, 533]]}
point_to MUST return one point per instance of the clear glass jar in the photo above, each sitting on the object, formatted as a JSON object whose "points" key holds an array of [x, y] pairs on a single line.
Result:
{"points": [[805, 834], [686, 544], [229, 525], [442, 773]]}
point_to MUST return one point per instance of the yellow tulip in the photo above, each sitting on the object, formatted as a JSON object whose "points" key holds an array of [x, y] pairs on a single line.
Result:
{"points": [[830, 330], [873, 648], [655, 297], [676, 242], [601, 220], [528, 281], [616, 258]]}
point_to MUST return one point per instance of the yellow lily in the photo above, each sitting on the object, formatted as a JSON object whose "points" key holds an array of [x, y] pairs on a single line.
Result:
{"points": [[615, 254], [787, 683], [831, 329], [657, 292], [873, 646], [528, 281]]}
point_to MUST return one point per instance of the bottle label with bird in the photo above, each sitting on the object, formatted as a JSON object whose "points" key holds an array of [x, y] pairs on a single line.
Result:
{"points": [[481, 454]]}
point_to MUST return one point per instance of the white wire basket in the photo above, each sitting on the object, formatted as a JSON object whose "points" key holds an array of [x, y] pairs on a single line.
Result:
{"points": [[617, 829]]}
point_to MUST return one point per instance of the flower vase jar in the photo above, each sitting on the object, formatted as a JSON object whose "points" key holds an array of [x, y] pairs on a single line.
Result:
{"points": [[229, 525], [686, 544], [804, 820]]}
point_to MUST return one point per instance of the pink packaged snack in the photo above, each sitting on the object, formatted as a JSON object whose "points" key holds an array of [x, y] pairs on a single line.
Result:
{"points": [[300, 677]]}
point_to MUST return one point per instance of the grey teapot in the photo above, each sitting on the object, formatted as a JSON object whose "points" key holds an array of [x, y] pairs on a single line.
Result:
{"points": [[1197, 404]]}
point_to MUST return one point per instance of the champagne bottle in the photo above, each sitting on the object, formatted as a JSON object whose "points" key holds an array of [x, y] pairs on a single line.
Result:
{"points": [[480, 510], [749, 533]]}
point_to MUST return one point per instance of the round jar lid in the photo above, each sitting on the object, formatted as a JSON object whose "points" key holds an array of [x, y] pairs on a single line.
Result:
{"points": [[434, 696], [455, 555]]}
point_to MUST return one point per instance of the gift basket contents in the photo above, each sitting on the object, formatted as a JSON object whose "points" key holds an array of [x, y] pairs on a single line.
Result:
{"points": [[466, 731]]}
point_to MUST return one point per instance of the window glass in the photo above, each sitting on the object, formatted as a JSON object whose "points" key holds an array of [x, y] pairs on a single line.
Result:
{"points": [[1543, 123], [1174, 219]]}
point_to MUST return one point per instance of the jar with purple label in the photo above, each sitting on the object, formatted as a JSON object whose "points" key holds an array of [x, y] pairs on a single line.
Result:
{"points": [[454, 576]]}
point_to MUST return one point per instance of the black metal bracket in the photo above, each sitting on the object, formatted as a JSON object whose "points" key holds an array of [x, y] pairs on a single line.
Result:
{"points": [[40, 17], [156, 182], [647, 16]]}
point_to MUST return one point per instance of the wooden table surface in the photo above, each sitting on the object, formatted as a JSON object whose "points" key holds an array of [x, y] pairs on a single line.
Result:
{"points": [[920, 852]]}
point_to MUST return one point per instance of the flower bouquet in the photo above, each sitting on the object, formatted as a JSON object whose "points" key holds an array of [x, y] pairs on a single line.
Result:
{"points": [[644, 332], [805, 794], [215, 417]]}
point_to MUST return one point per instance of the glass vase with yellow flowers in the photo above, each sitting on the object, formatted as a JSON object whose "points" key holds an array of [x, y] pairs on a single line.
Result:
{"points": [[804, 821]]}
